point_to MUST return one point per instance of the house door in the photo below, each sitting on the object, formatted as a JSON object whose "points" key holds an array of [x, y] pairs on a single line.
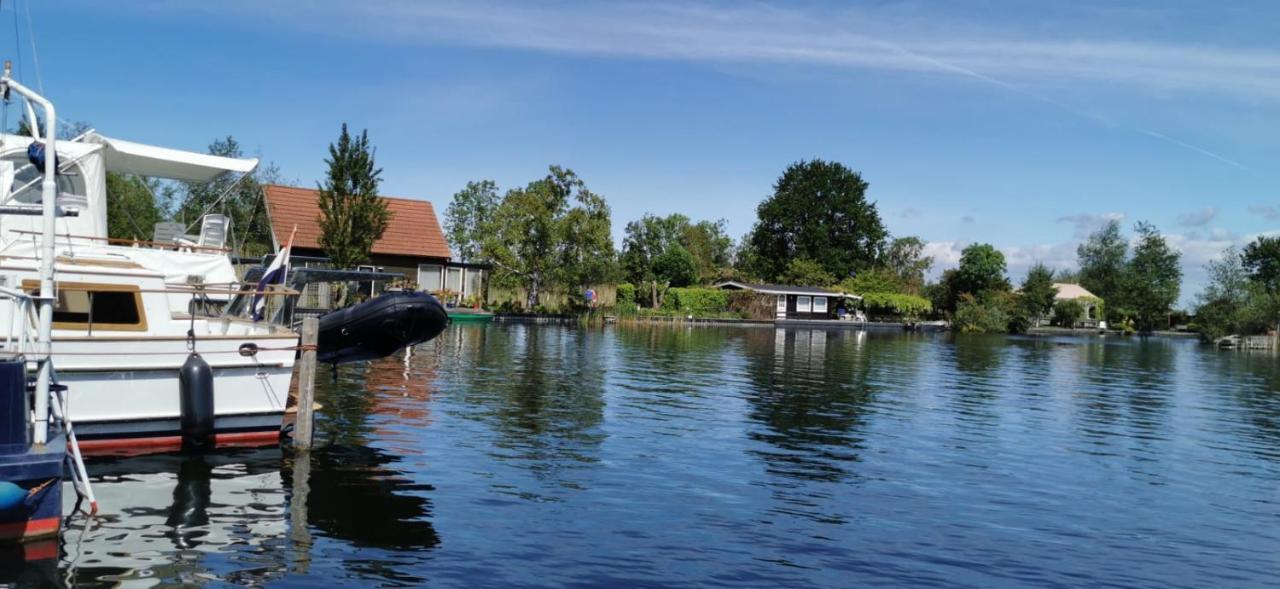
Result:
{"points": [[782, 307]]}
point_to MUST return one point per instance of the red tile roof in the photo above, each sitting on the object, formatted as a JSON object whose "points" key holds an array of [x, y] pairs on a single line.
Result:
{"points": [[413, 229]]}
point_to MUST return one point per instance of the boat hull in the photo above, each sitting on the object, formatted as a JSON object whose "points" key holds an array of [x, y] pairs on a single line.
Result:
{"points": [[129, 403], [38, 470]]}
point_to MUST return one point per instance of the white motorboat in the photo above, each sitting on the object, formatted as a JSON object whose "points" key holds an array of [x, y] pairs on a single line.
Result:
{"points": [[128, 313]]}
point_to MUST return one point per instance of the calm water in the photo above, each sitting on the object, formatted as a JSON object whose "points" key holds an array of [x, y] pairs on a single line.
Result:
{"points": [[548, 456]]}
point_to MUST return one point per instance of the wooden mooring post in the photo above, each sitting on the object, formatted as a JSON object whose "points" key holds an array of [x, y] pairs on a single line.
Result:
{"points": [[302, 429]]}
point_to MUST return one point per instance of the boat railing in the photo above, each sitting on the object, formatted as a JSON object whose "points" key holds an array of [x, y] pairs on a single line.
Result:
{"points": [[124, 241], [23, 322]]}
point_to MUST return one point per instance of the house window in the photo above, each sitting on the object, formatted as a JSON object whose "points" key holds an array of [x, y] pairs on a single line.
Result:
{"points": [[109, 307], [803, 304], [819, 304], [428, 277], [474, 286], [453, 279]]}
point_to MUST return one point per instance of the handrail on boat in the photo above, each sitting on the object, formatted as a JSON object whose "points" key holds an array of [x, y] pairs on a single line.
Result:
{"points": [[133, 242]]}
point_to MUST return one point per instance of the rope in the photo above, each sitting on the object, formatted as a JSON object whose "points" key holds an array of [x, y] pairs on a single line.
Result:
{"points": [[31, 36]]}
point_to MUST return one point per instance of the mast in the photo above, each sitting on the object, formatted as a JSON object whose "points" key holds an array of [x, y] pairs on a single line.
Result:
{"points": [[48, 250]]}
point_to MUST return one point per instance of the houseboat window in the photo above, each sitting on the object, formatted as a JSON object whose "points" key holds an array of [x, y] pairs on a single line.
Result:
{"points": [[26, 179], [453, 279], [803, 304], [105, 306], [428, 277], [819, 304]]}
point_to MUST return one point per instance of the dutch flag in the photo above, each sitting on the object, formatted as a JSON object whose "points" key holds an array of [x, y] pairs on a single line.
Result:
{"points": [[275, 274]]}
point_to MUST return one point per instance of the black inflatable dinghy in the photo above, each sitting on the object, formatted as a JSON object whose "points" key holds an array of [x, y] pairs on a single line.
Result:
{"points": [[379, 327]]}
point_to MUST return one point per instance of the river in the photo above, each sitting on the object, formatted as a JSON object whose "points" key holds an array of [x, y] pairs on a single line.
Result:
{"points": [[519, 455]]}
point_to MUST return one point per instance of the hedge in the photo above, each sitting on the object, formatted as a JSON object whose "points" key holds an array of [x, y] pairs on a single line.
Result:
{"points": [[626, 293], [897, 304], [696, 301]]}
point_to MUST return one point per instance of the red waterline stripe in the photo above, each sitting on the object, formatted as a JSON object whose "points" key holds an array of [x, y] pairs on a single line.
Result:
{"points": [[40, 550], [128, 446], [32, 528]]}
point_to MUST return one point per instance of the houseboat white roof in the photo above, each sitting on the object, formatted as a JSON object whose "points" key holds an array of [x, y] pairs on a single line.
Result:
{"points": [[782, 289]]}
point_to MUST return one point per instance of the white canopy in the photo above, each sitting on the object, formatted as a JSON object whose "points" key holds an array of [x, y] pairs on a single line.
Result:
{"points": [[161, 162]]}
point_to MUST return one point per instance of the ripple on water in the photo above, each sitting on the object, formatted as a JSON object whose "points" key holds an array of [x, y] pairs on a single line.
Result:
{"points": [[549, 456]]}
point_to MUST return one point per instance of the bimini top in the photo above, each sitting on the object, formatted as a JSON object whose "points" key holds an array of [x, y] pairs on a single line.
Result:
{"points": [[161, 162]]}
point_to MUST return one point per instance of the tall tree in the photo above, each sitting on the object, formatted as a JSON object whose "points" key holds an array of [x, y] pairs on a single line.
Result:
{"points": [[905, 257], [1224, 306], [134, 205], [352, 216], [645, 260], [553, 232], [982, 269], [806, 272], [1038, 291], [468, 217], [818, 211], [710, 246], [1102, 266], [1154, 277], [1261, 260]]}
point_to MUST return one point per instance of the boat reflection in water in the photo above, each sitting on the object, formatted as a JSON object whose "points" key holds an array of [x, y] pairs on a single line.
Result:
{"points": [[235, 516]]}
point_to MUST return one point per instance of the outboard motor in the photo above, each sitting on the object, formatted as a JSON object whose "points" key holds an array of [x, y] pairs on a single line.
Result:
{"points": [[195, 385]]}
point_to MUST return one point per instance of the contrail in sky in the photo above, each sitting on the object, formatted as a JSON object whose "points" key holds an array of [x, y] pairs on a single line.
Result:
{"points": [[1062, 105]]}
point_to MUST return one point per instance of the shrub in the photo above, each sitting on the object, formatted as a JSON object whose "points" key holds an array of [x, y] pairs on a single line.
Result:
{"points": [[1067, 312], [981, 315], [908, 306], [750, 305], [696, 301], [626, 293]]}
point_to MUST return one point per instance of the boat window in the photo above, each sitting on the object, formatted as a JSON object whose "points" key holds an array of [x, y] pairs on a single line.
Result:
{"points": [[428, 277], [819, 304], [802, 304], [111, 307], [27, 179]]}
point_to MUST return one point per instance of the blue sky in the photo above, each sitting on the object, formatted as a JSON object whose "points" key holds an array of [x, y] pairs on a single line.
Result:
{"points": [[1017, 123]]}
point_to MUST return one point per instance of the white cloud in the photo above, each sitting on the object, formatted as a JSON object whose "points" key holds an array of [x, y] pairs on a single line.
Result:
{"points": [[1267, 212], [1086, 223], [1198, 218], [780, 34]]}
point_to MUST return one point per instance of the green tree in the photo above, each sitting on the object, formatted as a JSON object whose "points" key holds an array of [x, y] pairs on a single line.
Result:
{"points": [[134, 206], [552, 233], [984, 313], [1227, 304], [1068, 313], [352, 216], [1261, 260], [1038, 291], [1154, 277], [710, 246], [468, 217], [644, 244], [905, 257], [874, 280], [1102, 267], [239, 198], [982, 269], [818, 211], [806, 272]]}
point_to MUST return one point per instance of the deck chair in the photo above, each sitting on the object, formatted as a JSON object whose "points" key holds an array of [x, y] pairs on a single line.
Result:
{"points": [[167, 232], [213, 231]]}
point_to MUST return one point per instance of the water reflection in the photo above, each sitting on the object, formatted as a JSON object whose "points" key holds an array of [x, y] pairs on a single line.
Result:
{"points": [[546, 455], [809, 391]]}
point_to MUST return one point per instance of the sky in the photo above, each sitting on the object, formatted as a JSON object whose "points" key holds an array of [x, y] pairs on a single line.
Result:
{"points": [[1021, 124]]}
